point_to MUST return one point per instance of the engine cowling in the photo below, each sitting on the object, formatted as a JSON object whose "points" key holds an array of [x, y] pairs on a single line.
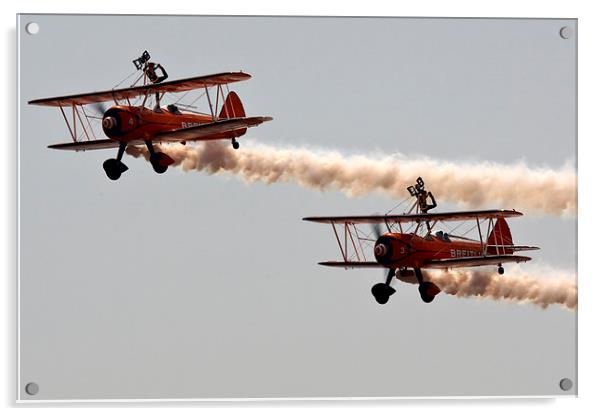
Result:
{"points": [[117, 122], [389, 250]]}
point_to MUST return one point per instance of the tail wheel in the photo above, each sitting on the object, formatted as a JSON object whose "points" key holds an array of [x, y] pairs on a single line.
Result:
{"points": [[500, 269], [382, 292], [428, 291], [235, 144]]}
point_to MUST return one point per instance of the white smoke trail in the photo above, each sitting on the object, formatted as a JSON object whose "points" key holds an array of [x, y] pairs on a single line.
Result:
{"points": [[516, 285], [468, 184]]}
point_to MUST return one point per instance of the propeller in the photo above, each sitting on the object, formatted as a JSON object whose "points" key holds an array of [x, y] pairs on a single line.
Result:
{"points": [[378, 231], [376, 228], [100, 108]]}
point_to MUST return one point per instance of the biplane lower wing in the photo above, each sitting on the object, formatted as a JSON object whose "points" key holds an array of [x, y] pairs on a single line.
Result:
{"points": [[352, 264], [86, 145], [435, 264], [474, 261], [209, 131]]}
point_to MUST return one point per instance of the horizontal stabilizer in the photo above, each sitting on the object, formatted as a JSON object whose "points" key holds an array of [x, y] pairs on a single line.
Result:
{"points": [[474, 261], [514, 248], [209, 131]]}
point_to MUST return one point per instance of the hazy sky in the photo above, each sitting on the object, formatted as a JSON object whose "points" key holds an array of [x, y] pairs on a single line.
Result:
{"points": [[186, 285]]}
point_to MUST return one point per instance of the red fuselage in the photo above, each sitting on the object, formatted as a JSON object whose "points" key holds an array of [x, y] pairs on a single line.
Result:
{"points": [[395, 250], [125, 123]]}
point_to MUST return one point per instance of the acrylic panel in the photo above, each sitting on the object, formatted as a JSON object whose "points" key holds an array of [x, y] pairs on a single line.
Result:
{"points": [[163, 252]]}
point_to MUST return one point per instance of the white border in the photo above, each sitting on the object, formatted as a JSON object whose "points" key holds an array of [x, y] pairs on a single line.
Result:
{"points": [[289, 399], [18, 213], [589, 149]]}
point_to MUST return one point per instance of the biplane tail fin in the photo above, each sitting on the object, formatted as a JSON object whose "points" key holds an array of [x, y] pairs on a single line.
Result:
{"points": [[232, 107], [500, 238]]}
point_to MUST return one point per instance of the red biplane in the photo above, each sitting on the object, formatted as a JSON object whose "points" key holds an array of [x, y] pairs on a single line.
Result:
{"points": [[129, 123], [405, 252]]}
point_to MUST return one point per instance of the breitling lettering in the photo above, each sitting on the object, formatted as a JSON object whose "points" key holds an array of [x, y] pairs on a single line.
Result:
{"points": [[462, 253], [186, 124]]}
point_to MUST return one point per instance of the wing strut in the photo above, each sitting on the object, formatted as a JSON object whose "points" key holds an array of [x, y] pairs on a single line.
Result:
{"points": [[343, 252], [72, 126], [352, 251], [480, 235], [210, 104], [68, 125]]}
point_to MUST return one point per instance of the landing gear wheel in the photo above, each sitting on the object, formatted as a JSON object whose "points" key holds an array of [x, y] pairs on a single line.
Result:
{"points": [[235, 144], [114, 168], [158, 160], [159, 169], [382, 292], [500, 270], [428, 291]]}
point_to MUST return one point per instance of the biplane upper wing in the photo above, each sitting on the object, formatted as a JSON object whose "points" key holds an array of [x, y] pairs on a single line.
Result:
{"points": [[474, 261], [179, 85], [440, 216], [209, 131]]}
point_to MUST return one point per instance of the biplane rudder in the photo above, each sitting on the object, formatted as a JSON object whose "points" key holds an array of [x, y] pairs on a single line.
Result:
{"points": [[500, 236], [232, 107]]}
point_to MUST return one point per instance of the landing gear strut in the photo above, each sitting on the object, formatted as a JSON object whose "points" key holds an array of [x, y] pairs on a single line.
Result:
{"points": [[382, 291], [115, 167], [428, 290], [159, 160], [235, 144], [500, 269]]}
